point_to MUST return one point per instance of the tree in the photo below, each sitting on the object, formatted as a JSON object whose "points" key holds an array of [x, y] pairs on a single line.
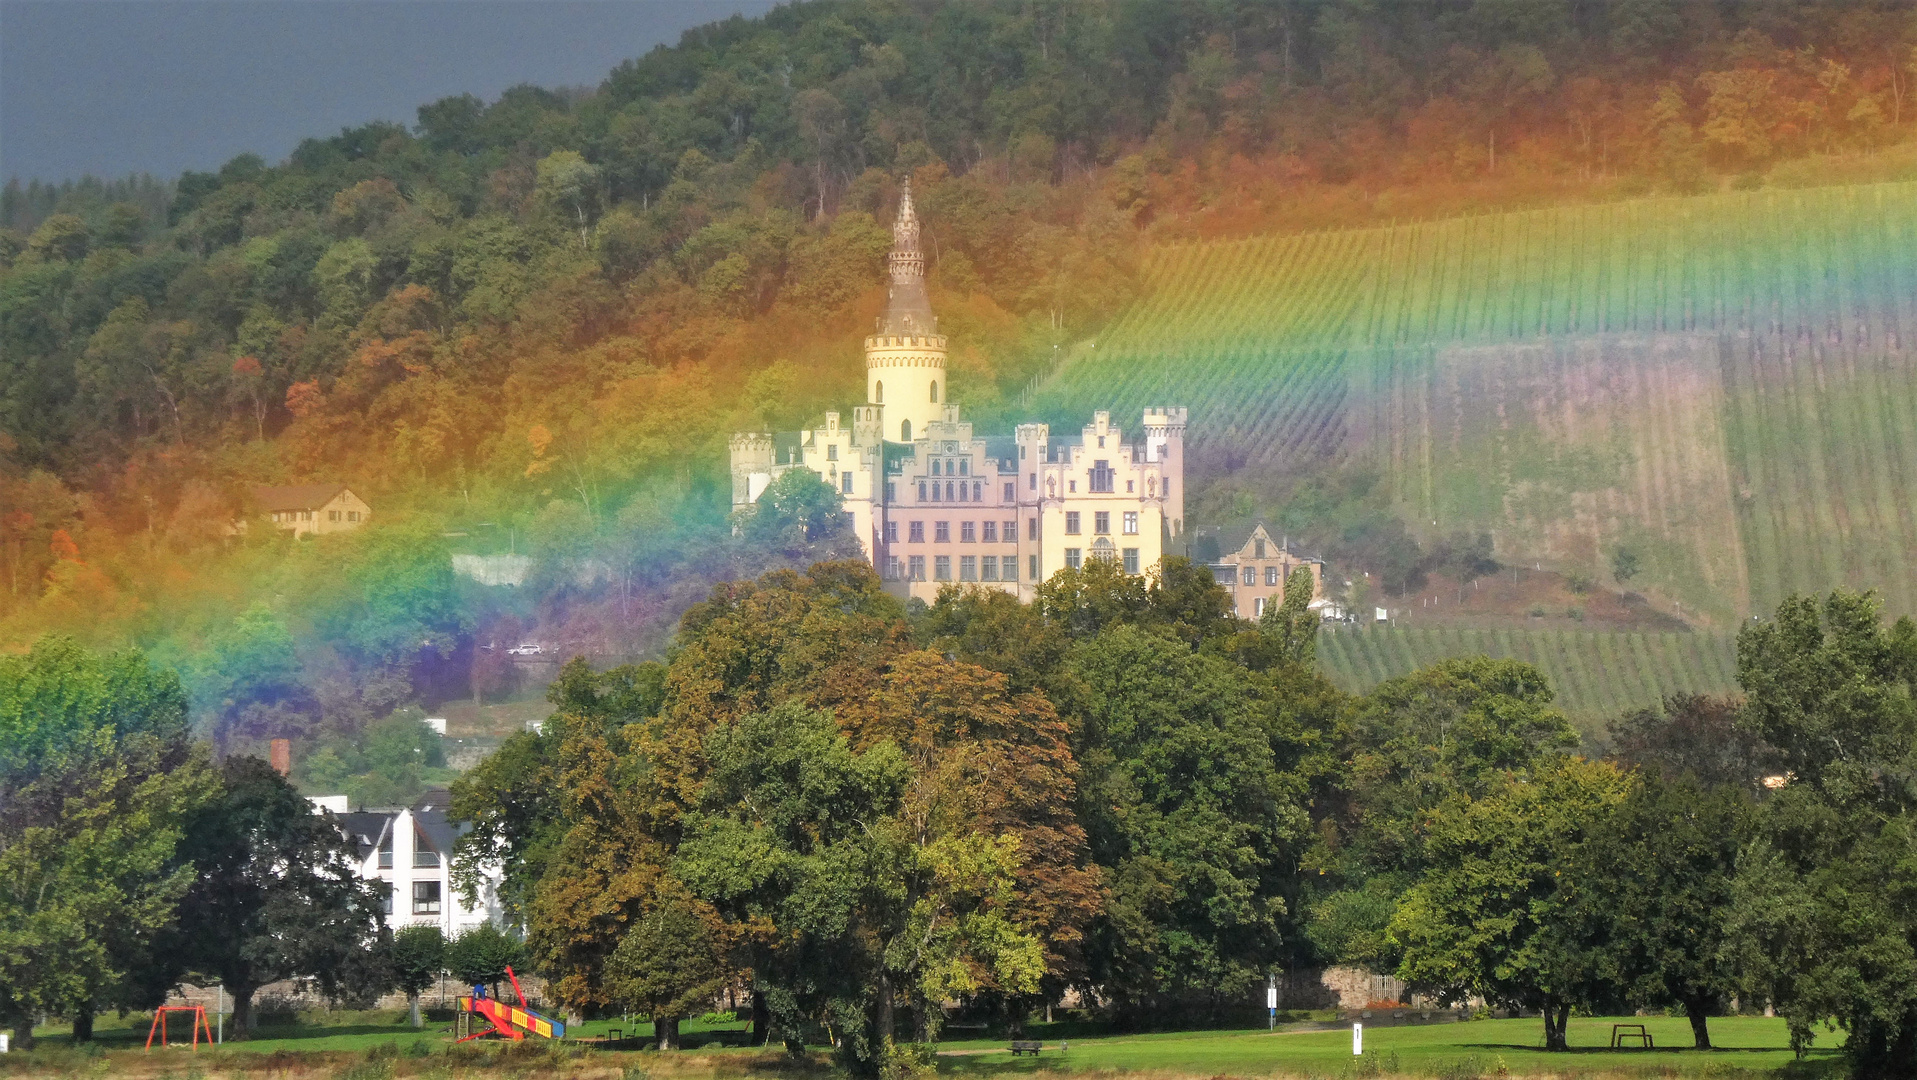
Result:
{"points": [[1695, 735], [1651, 890], [1454, 730], [418, 955], [1828, 919], [97, 784], [1483, 918], [1190, 819], [481, 955], [275, 890], [673, 961], [1624, 565]]}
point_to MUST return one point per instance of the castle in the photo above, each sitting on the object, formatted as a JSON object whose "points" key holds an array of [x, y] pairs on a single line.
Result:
{"points": [[932, 502]]}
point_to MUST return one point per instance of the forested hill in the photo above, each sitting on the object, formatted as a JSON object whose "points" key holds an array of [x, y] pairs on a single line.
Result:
{"points": [[529, 323]]}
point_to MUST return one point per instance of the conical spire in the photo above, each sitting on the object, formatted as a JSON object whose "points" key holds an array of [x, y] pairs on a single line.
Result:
{"points": [[908, 310]]}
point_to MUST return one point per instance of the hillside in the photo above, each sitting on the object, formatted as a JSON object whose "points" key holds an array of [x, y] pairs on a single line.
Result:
{"points": [[1725, 385]]}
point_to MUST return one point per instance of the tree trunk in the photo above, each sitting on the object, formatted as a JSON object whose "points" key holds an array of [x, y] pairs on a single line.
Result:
{"points": [[885, 1016], [83, 1024], [244, 1018], [1557, 1017], [667, 1028], [1700, 1024], [23, 1033], [412, 1003], [761, 1020]]}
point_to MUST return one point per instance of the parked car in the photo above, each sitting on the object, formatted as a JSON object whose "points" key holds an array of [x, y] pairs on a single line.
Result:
{"points": [[525, 650]]}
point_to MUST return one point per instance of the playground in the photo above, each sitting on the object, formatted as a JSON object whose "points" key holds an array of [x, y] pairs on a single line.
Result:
{"points": [[383, 1047]]}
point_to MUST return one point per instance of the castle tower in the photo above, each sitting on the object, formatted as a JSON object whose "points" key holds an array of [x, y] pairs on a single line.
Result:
{"points": [[905, 358], [1165, 444]]}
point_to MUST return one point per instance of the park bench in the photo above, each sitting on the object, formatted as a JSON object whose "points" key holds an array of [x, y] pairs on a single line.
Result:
{"points": [[1621, 1032], [1022, 1046]]}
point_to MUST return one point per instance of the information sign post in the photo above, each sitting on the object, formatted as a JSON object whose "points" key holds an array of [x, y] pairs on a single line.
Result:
{"points": [[1271, 1001]]}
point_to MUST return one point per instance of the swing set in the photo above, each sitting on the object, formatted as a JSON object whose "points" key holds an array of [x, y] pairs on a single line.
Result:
{"points": [[196, 1012]]}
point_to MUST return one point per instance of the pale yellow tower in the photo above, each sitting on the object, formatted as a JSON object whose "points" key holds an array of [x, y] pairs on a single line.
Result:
{"points": [[905, 359]]}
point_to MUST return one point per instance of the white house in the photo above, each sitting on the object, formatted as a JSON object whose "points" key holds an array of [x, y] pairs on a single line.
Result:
{"points": [[411, 850]]}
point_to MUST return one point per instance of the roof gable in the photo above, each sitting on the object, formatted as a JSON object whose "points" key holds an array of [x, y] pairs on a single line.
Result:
{"points": [[297, 496]]}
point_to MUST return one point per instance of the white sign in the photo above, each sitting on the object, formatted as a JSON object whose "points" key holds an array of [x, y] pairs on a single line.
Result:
{"points": [[1383, 615], [1357, 1040], [1271, 997]]}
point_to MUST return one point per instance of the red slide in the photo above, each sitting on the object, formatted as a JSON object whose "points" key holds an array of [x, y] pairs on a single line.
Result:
{"points": [[509, 1022]]}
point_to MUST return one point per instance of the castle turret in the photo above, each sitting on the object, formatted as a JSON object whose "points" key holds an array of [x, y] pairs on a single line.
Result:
{"points": [[1165, 443], [752, 466], [905, 358]]}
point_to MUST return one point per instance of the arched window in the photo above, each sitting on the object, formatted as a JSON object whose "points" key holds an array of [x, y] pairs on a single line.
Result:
{"points": [[935, 467], [935, 391], [878, 393], [905, 431]]}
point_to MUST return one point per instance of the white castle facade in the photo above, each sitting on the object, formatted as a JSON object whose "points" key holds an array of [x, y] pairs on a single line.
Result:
{"points": [[933, 502]]}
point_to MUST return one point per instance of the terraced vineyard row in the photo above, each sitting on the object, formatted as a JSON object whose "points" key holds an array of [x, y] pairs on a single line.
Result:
{"points": [[1725, 384], [1598, 675]]}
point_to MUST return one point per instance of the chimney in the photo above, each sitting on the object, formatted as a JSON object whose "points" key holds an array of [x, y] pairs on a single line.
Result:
{"points": [[283, 757]]}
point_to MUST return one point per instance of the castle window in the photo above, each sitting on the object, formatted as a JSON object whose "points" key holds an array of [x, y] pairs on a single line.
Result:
{"points": [[935, 391], [941, 532], [905, 431], [1168, 487], [1101, 477], [1071, 523], [1102, 522], [1131, 486], [832, 452], [1131, 523], [936, 466], [1011, 531], [1034, 569], [968, 532], [1251, 575], [941, 568], [1073, 559], [894, 569], [968, 568], [891, 532], [1010, 493], [1271, 575], [935, 492], [1031, 530], [845, 482], [1101, 442], [1258, 549], [948, 492], [1131, 560], [1071, 486], [988, 568], [918, 532], [878, 393], [1258, 608], [918, 568], [991, 533], [965, 468], [891, 491], [1034, 481], [978, 490], [1008, 567]]}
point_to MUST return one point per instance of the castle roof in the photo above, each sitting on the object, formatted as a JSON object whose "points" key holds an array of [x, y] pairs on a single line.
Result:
{"points": [[908, 310]]}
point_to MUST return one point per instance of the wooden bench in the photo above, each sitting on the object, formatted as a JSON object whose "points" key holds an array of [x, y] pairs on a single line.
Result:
{"points": [[1621, 1032], [1022, 1046]]}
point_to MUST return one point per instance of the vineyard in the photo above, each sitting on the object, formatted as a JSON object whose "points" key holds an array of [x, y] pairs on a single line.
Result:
{"points": [[1598, 676], [1727, 384]]}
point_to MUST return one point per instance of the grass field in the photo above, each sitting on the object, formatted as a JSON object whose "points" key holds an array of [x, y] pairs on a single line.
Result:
{"points": [[1747, 1046], [1727, 383], [1598, 675]]}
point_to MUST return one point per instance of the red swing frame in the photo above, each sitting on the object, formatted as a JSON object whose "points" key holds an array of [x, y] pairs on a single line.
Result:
{"points": [[159, 1024]]}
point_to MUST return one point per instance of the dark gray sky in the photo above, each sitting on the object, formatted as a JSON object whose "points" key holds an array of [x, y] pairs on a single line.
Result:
{"points": [[111, 87]]}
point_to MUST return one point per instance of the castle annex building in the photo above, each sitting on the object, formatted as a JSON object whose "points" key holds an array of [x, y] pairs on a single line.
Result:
{"points": [[932, 501]]}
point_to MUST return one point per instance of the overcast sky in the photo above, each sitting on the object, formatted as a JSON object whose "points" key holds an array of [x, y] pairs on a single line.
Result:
{"points": [[112, 87]]}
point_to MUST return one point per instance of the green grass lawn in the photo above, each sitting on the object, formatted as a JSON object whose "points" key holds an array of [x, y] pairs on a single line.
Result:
{"points": [[1744, 1044], [1746, 1047]]}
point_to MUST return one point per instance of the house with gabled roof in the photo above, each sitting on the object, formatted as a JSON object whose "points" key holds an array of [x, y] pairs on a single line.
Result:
{"points": [[312, 509], [1254, 568]]}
